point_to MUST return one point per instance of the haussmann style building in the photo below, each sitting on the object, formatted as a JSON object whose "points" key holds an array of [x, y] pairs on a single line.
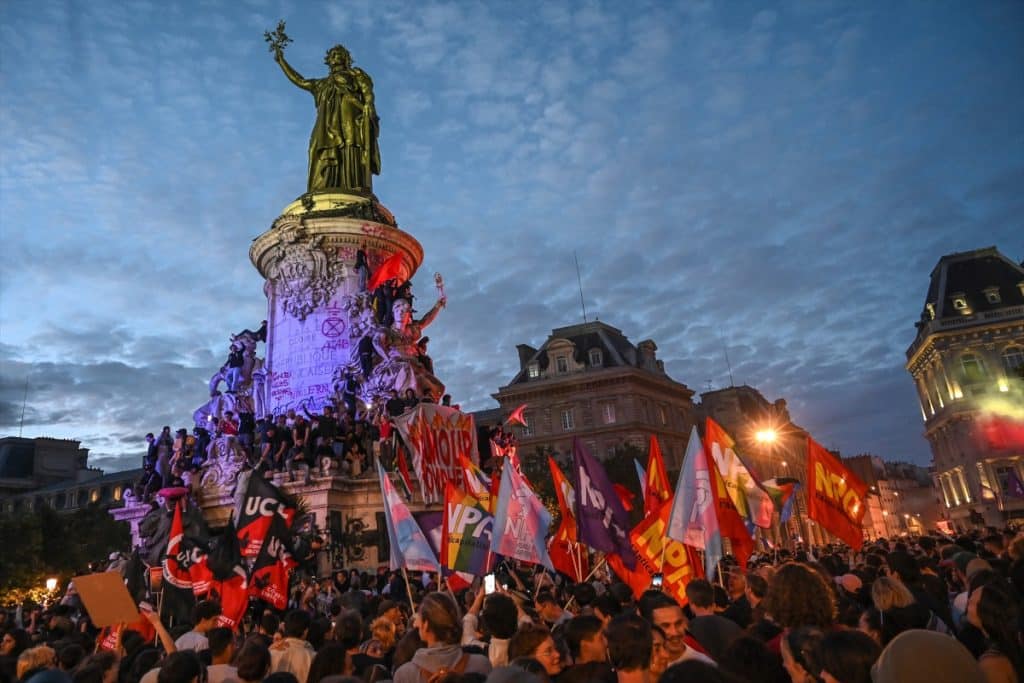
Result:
{"points": [[966, 361]]}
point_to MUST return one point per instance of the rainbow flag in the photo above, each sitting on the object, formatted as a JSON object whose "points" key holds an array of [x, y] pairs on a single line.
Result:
{"points": [[409, 546], [781, 490], [477, 483], [466, 533]]}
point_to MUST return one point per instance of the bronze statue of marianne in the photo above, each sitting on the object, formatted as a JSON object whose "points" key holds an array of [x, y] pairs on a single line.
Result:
{"points": [[343, 150]]}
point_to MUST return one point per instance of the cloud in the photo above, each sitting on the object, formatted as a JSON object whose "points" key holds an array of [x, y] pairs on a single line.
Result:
{"points": [[775, 182]]}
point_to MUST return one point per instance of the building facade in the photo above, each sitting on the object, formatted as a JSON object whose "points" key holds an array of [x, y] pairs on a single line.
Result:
{"points": [[55, 473], [589, 381], [966, 361]]}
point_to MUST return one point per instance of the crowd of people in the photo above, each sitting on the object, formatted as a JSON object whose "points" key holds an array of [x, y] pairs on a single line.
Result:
{"points": [[926, 609], [346, 439]]}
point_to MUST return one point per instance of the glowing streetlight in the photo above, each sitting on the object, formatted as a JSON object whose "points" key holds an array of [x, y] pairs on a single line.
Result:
{"points": [[766, 435], [51, 584]]}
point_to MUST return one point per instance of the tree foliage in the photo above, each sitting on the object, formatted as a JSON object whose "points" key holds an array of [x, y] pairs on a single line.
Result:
{"points": [[41, 544]]}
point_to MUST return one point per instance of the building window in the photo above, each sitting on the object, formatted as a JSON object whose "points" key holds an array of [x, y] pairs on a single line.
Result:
{"points": [[645, 411], [973, 368], [562, 365], [81, 497], [596, 358], [567, 422], [1003, 476], [992, 295], [118, 491], [1013, 360], [662, 415], [533, 370], [94, 496], [527, 426], [960, 303], [608, 413]]}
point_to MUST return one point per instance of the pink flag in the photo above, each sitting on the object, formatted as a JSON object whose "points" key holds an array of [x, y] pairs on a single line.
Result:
{"points": [[520, 521]]}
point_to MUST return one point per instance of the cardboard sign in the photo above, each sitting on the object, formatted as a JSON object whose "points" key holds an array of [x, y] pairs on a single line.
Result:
{"points": [[106, 599]]}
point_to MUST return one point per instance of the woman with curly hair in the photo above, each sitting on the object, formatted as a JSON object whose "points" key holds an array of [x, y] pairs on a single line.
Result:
{"points": [[799, 596]]}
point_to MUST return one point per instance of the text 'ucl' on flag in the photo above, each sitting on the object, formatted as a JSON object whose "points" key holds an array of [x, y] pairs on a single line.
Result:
{"points": [[466, 533], [259, 505], [745, 491], [273, 566], [520, 520], [176, 559], [694, 519], [835, 495], [602, 520], [409, 546]]}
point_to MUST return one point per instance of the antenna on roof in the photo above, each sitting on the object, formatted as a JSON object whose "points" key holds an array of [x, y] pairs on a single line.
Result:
{"points": [[24, 400], [579, 281], [725, 348]]}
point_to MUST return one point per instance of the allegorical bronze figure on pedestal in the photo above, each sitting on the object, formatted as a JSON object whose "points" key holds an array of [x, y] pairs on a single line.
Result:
{"points": [[343, 150]]}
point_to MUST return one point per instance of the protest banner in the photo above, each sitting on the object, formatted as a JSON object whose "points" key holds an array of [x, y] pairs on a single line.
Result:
{"points": [[437, 436], [106, 599]]}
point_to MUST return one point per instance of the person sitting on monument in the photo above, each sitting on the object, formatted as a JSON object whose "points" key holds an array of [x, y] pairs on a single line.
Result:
{"points": [[355, 459], [411, 400], [228, 424]]}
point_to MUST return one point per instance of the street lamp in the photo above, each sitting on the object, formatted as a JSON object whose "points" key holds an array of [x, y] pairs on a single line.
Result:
{"points": [[51, 585], [766, 436]]}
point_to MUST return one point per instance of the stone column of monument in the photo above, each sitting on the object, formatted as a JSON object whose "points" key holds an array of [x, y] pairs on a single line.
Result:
{"points": [[316, 312]]}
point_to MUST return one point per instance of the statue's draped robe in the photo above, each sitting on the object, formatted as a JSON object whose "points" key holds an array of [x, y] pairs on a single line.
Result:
{"points": [[343, 151]]}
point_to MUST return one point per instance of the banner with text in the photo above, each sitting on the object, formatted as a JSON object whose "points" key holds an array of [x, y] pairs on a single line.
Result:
{"points": [[835, 495], [437, 436]]}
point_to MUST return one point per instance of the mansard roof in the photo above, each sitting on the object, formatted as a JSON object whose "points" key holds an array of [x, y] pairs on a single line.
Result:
{"points": [[616, 349], [970, 276]]}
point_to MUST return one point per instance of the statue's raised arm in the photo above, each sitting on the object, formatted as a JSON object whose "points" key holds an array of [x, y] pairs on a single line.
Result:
{"points": [[293, 75]]}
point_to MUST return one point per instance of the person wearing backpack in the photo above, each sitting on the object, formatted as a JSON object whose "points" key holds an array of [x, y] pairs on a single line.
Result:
{"points": [[440, 628]]}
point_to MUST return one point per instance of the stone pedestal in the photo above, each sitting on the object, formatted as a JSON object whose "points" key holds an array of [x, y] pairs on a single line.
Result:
{"points": [[132, 514], [316, 313]]}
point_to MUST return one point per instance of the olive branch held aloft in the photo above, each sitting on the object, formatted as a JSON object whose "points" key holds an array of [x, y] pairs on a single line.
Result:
{"points": [[278, 40]]}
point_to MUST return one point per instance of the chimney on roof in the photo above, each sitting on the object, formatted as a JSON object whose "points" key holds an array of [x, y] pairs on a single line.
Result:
{"points": [[526, 352], [648, 354]]}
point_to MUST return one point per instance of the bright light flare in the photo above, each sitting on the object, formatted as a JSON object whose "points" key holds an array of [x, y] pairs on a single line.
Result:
{"points": [[51, 584], [766, 435]]}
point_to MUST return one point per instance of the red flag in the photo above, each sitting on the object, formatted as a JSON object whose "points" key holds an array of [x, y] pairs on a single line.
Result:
{"points": [[517, 417], [657, 491], [637, 579], [273, 566], [392, 268], [835, 495], [176, 559], [625, 496], [567, 554], [234, 600], [403, 472]]}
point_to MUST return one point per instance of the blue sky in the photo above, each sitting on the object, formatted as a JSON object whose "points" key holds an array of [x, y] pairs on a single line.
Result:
{"points": [[779, 179]]}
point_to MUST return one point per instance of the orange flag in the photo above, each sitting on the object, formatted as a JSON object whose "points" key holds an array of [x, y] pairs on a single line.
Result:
{"points": [[657, 492], [835, 495], [567, 554]]}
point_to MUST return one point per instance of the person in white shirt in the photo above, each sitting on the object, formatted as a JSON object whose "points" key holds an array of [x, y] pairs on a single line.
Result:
{"points": [[293, 654], [204, 617], [222, 651]]}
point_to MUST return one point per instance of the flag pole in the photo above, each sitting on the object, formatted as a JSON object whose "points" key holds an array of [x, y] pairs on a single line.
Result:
{"points": [[408, 591], [592, 572]]}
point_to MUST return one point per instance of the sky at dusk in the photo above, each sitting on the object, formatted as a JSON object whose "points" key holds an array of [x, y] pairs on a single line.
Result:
{"points": [[775, 179]]}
